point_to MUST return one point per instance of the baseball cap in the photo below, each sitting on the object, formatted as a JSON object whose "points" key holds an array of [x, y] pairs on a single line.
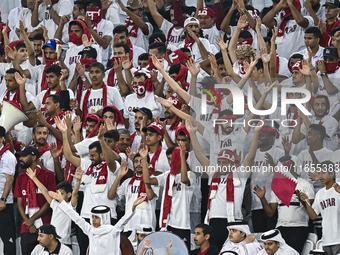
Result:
{"points": [[332, 3], [89, 51], [330, 52], [145, 111], [49, 230], [134, 4], [51, 43], [155, 127], [29, 150], [191, 20]]}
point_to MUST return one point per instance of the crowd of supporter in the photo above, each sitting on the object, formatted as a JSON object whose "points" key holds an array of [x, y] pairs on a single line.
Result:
{"points": [[120, 119]]}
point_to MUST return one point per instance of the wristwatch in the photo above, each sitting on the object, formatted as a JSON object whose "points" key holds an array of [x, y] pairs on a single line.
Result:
{"points": [[83, 79], [3, 199], [312, 69], [245, 11], [323, 74], [48, 7]]}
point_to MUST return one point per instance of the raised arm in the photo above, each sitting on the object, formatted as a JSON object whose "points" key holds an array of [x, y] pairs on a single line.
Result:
{"points": [[184, 166], [32, 174], [242, 22], [26, 106], [155, 14], [143, 151], [66, 147], [35, 15], [302, 21], [269, 208], [121, 173], [136, 20], [30, 50], [174, 85], [226, 21], [149, 191], [109, 154], [268, 19], [78, 176]]}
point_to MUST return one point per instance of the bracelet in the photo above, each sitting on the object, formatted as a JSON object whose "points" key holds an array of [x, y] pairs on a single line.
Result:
{"points": [[49, 7], [245, 11], [323, 74], [312, 69]]}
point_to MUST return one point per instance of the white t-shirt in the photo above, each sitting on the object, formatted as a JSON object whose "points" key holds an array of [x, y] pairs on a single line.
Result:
{"points": [[93, 199], [327, 203], [62, 7], [293, 38], [294, 216], [142, 40], [37, 101], [196, 201], [28, 96], [218, 205], [105, 27], [136, 142], [218, 142], [47, 161], [320, 13], [145, 212], [40, 250], [61, 222], [96, 99], [112, 14], [330, 123], [176, 36], [162, 162], [195, 52], [7, 166], [137, 51], [132, 102], [262, 176], [336, 161], [83, 146], [304, 163], [181, 197], [26, 16], [115, 85], [283, 67], [318, 55], [211, 33], [72, 57], [30, 84]]}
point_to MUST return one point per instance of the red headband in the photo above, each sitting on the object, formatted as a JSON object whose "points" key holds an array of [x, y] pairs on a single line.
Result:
{"points": [[227, 155], [207, 12], [183, 129], [178, 56], [270, 130], [182, 74], [297, 66], [96, 118], [13, 44], [175, 101], [118, 115]]}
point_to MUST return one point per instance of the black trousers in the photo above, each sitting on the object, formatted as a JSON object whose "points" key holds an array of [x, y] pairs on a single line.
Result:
{"points": [[220, 231], [295, 236], [182, 233], [83, 240], [28, 242], [7, 229], [262, 222]]}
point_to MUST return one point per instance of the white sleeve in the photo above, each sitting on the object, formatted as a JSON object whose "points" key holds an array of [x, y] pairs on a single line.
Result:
{"points": [[65, 8], [126, 112], [108, 29], [161, 178], [70, 92], [207, 45], [85, 162], [29, 97], [310, 190], [4, 67], [165, 27], [310, 21], [192, 178], [116, 98], [123, 221], [41, 12], [316, 204], [274, 198], [9, 164], [37, 101], [150, 30], [85, 226], [121, 189]]}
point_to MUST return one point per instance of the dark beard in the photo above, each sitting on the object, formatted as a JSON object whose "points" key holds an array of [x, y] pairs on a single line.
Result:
{"points": [[25, 165], [40, 144]]}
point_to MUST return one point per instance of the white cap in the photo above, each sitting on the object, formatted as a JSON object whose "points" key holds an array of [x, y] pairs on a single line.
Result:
{"points": [[191, 20]]}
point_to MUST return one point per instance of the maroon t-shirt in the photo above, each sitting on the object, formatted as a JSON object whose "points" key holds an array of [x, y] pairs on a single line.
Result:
{"points": [[47, 178]]}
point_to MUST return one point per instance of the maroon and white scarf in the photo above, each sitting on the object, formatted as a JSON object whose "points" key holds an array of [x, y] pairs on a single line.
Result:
{"points": [[101, 178]]}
